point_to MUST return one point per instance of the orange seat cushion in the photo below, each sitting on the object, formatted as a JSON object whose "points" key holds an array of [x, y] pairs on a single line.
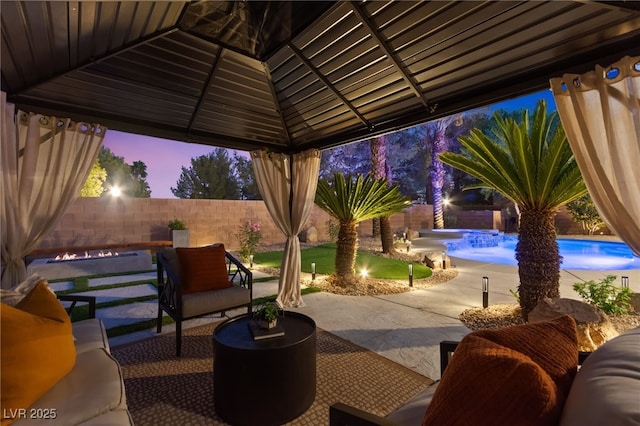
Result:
{"points": [[203, 268], [37, 349], [517, 375]]}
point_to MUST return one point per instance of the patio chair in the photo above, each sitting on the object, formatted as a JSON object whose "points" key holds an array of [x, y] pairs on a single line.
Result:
{"points": [[193, 282]]}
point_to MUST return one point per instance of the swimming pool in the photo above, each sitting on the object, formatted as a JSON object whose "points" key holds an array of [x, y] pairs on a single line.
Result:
{"points": [[576, 254]]}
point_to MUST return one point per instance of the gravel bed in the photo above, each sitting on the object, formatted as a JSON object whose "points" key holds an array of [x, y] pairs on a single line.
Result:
{"points": [[496, 316]]}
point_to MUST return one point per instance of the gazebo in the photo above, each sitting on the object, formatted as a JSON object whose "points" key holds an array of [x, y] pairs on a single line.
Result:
{"points": [[281, 79]]}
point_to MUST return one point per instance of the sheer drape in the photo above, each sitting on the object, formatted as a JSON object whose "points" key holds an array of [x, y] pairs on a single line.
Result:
{"points": [[600, 112], [288, 186], [45, 161]]}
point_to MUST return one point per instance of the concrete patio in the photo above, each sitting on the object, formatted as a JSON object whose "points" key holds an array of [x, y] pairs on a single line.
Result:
{"points": [[407, 328]]}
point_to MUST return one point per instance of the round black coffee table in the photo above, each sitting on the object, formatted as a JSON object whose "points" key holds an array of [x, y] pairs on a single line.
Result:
{"points": [[264, 382]]}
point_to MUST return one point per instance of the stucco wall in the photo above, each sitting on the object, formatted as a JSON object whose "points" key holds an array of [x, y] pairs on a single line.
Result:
{"points": [[93, 221]]}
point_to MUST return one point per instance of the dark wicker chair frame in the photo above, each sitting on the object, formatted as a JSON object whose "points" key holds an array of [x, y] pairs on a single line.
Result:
{"points": [[345, 415], [75, 299], [170, 292]]}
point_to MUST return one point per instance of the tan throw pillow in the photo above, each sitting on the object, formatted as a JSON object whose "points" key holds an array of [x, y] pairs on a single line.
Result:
{"points": [[203, 268], [37, 348], [490, 381]]}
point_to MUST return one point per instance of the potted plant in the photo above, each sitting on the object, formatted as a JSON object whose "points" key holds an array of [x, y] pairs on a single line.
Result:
{"points": [[266, 315], [179, 233]]}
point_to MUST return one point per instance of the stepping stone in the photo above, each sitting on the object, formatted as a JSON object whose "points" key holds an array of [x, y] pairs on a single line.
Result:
{"points": [[120, 279], [61, 286], [128, 314], [121, 293]]}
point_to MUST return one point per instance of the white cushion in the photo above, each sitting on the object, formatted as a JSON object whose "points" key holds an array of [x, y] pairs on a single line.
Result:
{"points": [[412, 412], [94, 387], [90, 334]]}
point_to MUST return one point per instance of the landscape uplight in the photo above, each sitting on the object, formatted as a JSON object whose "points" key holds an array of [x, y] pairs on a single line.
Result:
{"points": [[115, 191], [364, 272], [411, 275]]}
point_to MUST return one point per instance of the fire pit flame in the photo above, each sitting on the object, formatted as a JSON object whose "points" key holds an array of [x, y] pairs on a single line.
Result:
{"points": [[74, 256]]}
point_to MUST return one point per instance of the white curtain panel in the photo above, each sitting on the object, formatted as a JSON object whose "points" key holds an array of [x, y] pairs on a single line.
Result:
{"points": [[600, 112], [288, 186], [45, 161]]}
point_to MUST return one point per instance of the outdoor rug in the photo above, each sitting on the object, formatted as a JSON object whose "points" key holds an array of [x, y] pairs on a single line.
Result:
{"points": [[162, 389]]}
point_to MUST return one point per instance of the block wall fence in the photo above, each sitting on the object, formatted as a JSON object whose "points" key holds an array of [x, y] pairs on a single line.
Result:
{"points": [[94, 221]]}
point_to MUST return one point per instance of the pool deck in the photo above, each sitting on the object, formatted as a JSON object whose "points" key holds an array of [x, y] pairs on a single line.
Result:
{"points": [[408, 327]]}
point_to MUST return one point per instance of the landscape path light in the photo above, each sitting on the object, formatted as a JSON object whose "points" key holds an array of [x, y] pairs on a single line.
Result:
{"points": [[411, 275], [485, 292], [251, 261], [313, 270], [625, 282]]}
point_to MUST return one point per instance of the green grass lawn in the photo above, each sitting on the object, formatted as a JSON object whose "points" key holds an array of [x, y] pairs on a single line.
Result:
{"points": [[324, 256]]}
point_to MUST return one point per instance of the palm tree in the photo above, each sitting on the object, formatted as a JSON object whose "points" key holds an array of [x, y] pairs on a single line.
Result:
{"points": [[351, 200], [531, 164], [380, 168]]}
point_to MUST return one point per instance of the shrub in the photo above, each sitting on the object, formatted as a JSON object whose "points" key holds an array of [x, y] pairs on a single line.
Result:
{"points": [[606, 296], [333, 228], [177, 225], [249, 237]]}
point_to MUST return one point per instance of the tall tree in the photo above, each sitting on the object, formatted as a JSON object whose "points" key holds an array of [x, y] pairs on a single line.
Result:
{"points": [[378, 147], [380, 170], [210, 176], [529, 162], [438, 144], [139, 180], [130, 179], [351, 159], [351, 200], [246, 179], [584, 211], [436, 169], [93, 186]]}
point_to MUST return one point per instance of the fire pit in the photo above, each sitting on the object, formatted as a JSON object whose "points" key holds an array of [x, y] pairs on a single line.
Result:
{"points": [[99, 262]]}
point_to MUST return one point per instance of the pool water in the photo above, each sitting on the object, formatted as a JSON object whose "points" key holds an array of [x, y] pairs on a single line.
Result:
{"points": [[576, 254]]}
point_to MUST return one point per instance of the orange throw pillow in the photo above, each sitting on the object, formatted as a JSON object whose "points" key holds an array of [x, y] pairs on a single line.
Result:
{"points": [[553, 345], [510, 376], [203, 268], [37, 349]]}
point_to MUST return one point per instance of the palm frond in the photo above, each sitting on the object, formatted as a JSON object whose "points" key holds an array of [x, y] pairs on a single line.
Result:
{"points": [[359, 198], [529, 162]]}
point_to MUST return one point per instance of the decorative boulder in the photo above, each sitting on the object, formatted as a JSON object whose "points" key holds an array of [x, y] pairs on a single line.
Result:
{"points": [[433, 259], [594, 327], [412, 234], [312, 235]]}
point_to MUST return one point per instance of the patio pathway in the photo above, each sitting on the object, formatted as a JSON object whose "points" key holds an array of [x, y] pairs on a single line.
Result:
{"points": [[407, 328]]}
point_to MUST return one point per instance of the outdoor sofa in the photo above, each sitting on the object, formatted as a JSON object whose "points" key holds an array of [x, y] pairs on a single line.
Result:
{"points": [[55, 372], [524, 375]]}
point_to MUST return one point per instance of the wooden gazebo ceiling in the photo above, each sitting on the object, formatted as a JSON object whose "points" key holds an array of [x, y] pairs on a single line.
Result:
{"points": [[289, 76]]}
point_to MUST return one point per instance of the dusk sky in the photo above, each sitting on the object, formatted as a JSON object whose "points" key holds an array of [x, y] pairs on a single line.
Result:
{"points": [[165, 158]]}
